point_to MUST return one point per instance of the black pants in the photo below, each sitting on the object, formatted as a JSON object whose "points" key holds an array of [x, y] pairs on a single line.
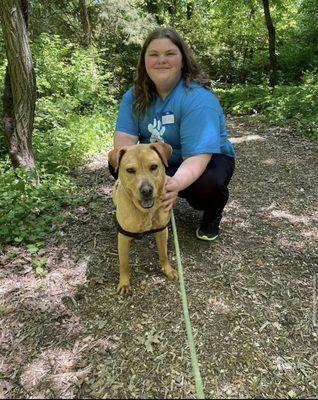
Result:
{"points": [[209, 193]]}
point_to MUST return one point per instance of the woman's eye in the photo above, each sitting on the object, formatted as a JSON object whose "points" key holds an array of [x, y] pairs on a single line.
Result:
{"points": [[153, 167], [130, 170]]}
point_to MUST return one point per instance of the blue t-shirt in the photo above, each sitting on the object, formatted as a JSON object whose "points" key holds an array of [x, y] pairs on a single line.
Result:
{"points": [[190, 119]]}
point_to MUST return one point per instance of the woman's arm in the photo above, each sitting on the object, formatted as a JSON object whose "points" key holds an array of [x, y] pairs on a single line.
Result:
{"points": [[124, 139], [188, 172]]}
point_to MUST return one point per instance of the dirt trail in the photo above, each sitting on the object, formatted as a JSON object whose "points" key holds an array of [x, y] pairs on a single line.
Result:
{"points": [[251, 293]]}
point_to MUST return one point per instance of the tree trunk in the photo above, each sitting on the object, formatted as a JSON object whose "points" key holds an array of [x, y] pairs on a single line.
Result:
{"points": [[20, 89], [85, 23], [88, 42], [247, 50], [271, 44]]}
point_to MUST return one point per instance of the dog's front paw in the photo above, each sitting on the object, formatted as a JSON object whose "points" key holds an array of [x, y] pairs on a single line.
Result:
{"points": [[171, 273], [123, 288]]}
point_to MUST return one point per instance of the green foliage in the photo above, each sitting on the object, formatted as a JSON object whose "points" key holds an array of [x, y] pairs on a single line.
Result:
{"points": [[55, 17], [296, 106], [120, 30], [242, 99], [73, 142], [229, 37], [224, 36], [30, 211], [74, 112], [297, 43], [70, 76], [39, 263]]}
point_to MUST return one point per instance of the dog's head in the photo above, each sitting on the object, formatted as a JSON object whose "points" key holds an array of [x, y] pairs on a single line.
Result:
{"points": [[141, 170]]}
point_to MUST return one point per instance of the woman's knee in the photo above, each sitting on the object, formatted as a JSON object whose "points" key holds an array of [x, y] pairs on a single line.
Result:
{"points": [[208, 189], [211, 182]]}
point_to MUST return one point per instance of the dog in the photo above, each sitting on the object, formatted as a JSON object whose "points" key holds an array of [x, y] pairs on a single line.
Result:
{"points": [[137, 195]]}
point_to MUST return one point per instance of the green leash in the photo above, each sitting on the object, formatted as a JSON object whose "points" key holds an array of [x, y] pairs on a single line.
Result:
{"points": [[194, 358]]}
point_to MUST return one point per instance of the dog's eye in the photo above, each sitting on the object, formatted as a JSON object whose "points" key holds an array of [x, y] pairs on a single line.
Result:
{"points": [[153, 167], [130, 170]]}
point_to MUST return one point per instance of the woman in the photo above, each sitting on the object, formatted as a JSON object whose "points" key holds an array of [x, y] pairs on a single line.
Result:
{"points": [[171, 102]]}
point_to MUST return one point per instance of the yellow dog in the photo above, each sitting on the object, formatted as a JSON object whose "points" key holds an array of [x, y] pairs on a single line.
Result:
{"points": [[137, 196]]}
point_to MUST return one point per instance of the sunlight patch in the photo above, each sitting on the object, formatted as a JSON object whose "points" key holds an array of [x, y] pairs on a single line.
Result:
{"points": [[292, 218], [55, 366], [269, 161], [46, 292], [8, 285], [219, 306], [310, 234], [248, 138], [100, 163]]}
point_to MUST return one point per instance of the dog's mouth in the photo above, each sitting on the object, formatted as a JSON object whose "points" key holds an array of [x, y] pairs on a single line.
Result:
{"points": [[147, 203]]}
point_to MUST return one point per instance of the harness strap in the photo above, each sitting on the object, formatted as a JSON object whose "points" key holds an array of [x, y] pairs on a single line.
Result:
{"points": [[138, 235]]}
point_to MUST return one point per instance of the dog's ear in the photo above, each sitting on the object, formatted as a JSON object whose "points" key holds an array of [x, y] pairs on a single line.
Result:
{"points": [[115, 155], [164, 151]]}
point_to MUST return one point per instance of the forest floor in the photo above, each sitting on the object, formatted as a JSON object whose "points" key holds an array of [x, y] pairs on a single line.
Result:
{"points": [[251, 293]]}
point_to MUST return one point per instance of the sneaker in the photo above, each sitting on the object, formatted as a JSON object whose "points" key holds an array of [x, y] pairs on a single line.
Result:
{"points": [[209, 230]]}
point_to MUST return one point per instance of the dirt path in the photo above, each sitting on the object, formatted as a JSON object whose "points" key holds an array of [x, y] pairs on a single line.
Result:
{"points": [[251, 294]]}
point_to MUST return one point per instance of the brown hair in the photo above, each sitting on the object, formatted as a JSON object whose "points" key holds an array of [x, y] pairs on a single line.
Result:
{"points": [[145, 90]]}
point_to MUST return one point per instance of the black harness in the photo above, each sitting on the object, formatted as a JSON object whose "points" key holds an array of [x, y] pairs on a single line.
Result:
{"points": [[139, 235]]}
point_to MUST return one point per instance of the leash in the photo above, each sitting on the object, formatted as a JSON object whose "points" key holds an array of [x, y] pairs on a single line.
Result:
{"points": [[193, 354]]}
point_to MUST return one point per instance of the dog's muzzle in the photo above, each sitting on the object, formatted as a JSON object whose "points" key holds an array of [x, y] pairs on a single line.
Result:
{"points": [[146, 194]]}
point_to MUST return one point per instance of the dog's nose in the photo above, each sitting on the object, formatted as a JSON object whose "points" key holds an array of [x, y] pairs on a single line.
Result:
{"points": [[146, 190]]}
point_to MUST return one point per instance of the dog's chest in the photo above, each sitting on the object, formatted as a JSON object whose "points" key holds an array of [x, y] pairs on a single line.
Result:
{"points": [[141, 222]]}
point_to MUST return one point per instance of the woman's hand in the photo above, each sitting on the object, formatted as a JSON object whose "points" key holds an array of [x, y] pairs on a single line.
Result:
{"points": [[188, 172], [172, 189]]}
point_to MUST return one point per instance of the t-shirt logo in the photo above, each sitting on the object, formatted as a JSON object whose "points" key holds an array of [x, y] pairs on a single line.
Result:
{"points": [[157, 130]]}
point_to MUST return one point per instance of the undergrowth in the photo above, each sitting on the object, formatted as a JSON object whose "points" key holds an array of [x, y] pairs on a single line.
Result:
{"points": [[74, 120], [295, 106]]}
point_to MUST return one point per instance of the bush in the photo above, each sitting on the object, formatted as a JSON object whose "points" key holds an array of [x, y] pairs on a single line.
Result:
{"points": [[28, 211], [242, 99], [296, 106], [74, 112], [73, 144], [67, 75]]}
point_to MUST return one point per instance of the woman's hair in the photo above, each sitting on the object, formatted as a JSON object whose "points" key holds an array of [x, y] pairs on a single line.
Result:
{"points": [[145, 90]]}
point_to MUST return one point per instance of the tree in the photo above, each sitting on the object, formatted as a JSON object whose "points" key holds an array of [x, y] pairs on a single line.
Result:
{"points": [[20, 88], [88, 42], [85, 23], [271, 44]]}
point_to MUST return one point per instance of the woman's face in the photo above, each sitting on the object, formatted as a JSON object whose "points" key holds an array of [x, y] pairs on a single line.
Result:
{"points": [[163, 61]]}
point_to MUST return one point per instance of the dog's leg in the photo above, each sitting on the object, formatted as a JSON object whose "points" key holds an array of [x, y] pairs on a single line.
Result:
{"points": [[124, 272], [162, 244]]}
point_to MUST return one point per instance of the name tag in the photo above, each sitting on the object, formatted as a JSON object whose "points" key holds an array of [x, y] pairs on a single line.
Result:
{"points": [[167, 118]]}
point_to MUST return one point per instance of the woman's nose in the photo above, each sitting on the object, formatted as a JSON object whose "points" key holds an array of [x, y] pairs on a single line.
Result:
{"points": [[162, 59]]}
